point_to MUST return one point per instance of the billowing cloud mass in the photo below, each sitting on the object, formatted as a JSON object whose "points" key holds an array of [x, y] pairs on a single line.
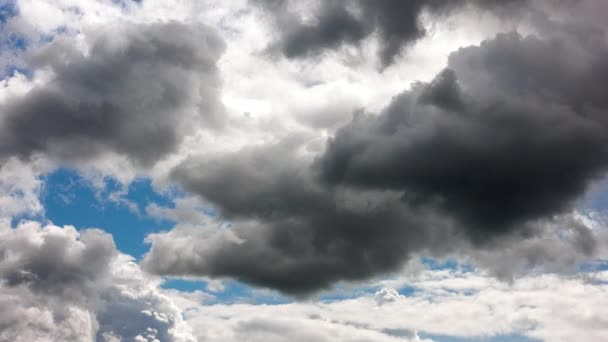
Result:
{"points": [[337, 23], [136, 91], [292, 234], [509, 133], [57, 284], [500, 143]]}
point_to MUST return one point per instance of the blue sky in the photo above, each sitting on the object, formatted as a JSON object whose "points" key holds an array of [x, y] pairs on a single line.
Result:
{"points": [[71, 200]]}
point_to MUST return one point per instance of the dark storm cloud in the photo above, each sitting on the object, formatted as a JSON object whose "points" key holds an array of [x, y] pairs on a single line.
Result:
{"points": [[339, 22], [137, 92], [514, 131], [298, 236], [499, 144]]}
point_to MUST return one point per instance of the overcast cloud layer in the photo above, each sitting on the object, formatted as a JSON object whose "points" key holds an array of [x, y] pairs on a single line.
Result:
{"points": [[307, 148]]}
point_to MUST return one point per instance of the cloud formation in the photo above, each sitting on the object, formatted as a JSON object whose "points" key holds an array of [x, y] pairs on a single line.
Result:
{"points": [[498, 146], [337, 23], [468, 305], [137, 91], [498, 139], [58, 284], [287, 231]]}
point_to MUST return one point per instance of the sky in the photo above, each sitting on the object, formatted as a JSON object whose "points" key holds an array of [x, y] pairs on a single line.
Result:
{"points": [[282, 170]]}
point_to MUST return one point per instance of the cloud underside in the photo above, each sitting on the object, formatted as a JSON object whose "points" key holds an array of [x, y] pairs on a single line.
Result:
{"points": [[497, 147]]}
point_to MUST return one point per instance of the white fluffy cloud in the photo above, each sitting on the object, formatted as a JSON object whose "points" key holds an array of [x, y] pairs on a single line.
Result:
{"points": [[58, 284], [20, 187], [445, 302]]}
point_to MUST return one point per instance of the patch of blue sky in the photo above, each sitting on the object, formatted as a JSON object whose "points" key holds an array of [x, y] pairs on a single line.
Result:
{"points": [[342, 292], [497, 338], [408, 291], [48, 37], [348, 291], [69, 199], [126, 5], [185, 285], [11, 69], [231, 292], [591, 266], [234, 292], [450, 264], [13, 42], [596, 199], [8, 9]]}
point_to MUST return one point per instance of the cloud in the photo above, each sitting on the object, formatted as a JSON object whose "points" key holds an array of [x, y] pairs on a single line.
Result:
{"points": [[20, 187], [186, 210], [122, 303], [445, 303], [498, 147], [285, 230], [136, 91], [498, 139], [279, 228], [338, 23], [60, 284]]}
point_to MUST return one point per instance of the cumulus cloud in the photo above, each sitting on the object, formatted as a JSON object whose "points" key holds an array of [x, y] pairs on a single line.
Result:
{"points": [[285, 230], [279, 228], [137, 90], [58, 284], [498, 147], [20, 187], [498, 139], [338, 23]]}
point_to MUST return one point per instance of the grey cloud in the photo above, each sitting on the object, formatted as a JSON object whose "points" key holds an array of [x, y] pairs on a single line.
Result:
{"points": [[514, 131], [496, 146], [288, 232], [337, 23], [137, 92]]}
